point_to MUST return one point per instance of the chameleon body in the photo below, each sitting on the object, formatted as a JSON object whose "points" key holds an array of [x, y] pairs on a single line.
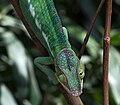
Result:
{"points": [[42, 17]]}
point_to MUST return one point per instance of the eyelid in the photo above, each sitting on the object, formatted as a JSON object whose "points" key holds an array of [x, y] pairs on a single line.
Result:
{"points": [[82, 75], [62, 78]]}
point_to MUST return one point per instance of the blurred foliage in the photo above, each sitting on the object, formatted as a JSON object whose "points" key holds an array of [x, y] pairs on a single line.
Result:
{"points": [[22, 84]]}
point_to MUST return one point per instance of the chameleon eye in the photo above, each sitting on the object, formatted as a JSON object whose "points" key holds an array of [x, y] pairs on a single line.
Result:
{"points": [[81, 71], [82, 74], [63, 79]]}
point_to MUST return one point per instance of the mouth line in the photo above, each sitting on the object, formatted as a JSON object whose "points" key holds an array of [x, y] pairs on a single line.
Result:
{"points": [[76, 93], [73, 92]]}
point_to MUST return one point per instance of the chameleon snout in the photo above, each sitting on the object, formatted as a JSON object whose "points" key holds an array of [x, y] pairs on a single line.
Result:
{"points": [[76, 92]]}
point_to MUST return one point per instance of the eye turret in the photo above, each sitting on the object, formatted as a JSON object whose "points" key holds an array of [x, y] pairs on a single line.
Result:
{"points": [[81, 71], [71, 73]]}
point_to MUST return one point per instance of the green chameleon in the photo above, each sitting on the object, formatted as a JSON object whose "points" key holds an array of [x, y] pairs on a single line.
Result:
{"points": [[42, 17]]}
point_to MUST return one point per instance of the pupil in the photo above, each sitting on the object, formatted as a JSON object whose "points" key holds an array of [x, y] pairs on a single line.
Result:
{"points": [[80, 73]]}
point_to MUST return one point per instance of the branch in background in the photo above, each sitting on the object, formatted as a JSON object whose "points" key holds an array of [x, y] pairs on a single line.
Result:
{"points": [[69, 98], [90, 28], [45, 99], [106, 51]]}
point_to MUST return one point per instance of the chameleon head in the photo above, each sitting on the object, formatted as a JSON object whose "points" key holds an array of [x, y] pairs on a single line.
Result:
{"points": [[70, 72]]}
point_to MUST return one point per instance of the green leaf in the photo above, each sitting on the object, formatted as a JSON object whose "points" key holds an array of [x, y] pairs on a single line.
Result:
{"points": [[6, 97], [114, 74], [16, 53], [115, 37], [22, 69], [35, 94], [78, 33]]}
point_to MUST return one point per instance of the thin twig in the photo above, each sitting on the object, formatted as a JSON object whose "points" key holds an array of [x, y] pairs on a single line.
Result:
{"points": [[106, 52], [69, 98], [90, 29]]}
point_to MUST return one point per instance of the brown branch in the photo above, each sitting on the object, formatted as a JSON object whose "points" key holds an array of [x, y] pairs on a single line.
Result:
{"points": [[45, 99], [69, 98], [90, 29], [106, 52], [16, 5]]}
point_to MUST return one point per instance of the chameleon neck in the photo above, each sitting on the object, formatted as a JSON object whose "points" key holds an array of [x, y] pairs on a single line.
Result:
{"points": [[57, 39], [47, 20], [45, 23], [57, 45]]}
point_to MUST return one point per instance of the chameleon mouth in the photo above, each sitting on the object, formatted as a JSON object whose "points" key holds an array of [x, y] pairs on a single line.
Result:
{"points": [[76, 93], [63, 80]]}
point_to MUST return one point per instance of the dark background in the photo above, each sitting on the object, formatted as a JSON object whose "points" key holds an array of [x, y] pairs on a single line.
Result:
{"points": [[21, 83]]}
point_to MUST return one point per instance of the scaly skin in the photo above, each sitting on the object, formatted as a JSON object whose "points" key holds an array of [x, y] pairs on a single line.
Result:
{"points": [[68, 63], [45, 23]]}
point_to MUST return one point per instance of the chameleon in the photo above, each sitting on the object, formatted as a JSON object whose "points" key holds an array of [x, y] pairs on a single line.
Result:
{"points": [[44, 21]]}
